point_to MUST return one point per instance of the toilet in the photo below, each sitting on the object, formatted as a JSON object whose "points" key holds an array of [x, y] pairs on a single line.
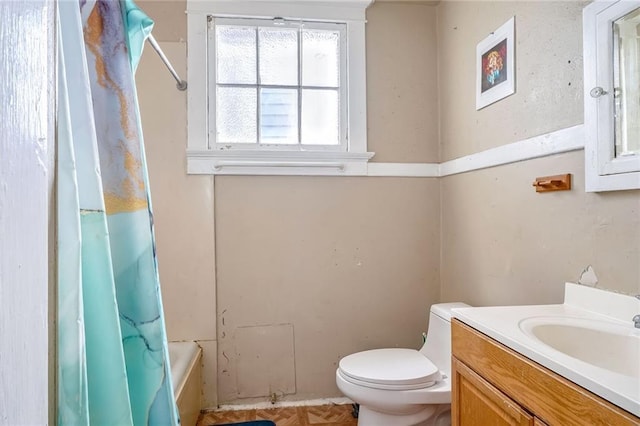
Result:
{"points": [[404, 387]]}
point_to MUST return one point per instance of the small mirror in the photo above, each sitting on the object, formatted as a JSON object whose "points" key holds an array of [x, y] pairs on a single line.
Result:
{"points": [[626, 80]]}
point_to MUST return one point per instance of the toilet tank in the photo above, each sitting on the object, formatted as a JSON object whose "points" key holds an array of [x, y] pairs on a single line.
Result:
{"points": [[437, 347]]}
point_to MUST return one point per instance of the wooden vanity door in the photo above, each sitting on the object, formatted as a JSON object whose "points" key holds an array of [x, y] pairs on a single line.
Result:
{"points": [[475, 402]]}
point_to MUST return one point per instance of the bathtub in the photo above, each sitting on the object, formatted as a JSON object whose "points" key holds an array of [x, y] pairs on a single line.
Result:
{"points": [[187, 382]]}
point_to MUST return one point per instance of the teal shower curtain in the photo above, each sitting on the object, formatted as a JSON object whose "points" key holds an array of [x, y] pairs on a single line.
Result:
{"points": [[113, 364]]}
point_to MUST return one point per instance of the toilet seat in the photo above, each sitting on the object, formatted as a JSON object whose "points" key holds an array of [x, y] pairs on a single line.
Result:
{"points": [[392, 369]]}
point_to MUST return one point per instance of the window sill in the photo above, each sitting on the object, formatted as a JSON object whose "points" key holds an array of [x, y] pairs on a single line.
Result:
{"points": [[287, 163]]}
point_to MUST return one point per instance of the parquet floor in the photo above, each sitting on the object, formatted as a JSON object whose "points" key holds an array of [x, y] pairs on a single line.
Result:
{"points": [[321, 415]]}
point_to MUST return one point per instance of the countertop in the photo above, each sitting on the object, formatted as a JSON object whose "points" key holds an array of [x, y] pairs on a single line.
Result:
{"points": [[502, 323]]}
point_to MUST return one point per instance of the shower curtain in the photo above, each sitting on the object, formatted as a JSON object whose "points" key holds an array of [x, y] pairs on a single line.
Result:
{"points": [[112, 360]]}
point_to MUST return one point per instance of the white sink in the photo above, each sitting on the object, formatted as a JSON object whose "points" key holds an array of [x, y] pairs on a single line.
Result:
{"points": [[589, 339], [599, 343]]}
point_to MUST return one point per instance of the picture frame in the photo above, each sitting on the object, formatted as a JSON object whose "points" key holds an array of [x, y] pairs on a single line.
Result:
{"points": [[495, 65]]}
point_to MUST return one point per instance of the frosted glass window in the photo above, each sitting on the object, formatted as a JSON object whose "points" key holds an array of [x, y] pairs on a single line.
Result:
{"points": [[236, 115], [320, 117], [278, 84], [278, 56], [236, 55], [278, 116], [320, 58]]}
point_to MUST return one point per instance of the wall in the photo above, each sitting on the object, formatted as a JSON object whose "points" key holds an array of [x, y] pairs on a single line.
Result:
{"points": [[351, 264], [502, 243], [316, 268], [402, 96], [548, 73]]}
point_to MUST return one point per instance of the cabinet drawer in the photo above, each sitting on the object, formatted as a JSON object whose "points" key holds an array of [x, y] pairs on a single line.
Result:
{"points": [[479, 404]]}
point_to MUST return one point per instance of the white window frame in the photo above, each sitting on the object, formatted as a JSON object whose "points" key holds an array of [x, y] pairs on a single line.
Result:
{"points": [[603, 172], [203, 157]]}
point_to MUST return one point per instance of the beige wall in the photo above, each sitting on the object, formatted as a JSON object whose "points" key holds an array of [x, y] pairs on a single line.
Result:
{"points": [[169, 17], [351, 264], [402, 95], [548, 73], [324, 266], [502, 243]]}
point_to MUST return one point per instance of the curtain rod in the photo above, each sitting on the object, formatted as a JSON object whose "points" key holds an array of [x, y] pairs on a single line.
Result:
{"points": [[180, 83]]}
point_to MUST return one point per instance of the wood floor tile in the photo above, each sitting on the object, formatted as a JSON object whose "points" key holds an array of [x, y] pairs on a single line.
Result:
{"points": [[322, 415], [224, 417], [330, 414], [286, 416]]}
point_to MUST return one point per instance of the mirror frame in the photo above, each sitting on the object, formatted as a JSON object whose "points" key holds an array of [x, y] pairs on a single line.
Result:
{"points": [[603, 172]]}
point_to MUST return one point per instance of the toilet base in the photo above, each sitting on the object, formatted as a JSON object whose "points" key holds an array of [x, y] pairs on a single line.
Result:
{"points": [[430, 415]]}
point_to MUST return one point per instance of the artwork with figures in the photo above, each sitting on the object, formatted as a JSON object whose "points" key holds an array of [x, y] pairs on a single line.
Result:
{"points": [[495, 65]]}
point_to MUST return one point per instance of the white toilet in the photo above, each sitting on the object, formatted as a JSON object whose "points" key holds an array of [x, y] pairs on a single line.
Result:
{"points": [[404, 387]]}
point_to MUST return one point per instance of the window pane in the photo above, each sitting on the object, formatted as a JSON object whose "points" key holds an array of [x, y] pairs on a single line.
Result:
{"points": [[320, 117], [279, 116], [320, 58], [236, 51], [278, 50], [236, 110], [626, 78]]}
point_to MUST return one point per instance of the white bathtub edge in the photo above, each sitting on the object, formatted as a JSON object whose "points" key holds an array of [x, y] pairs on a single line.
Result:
{"points": [[183, 357]]}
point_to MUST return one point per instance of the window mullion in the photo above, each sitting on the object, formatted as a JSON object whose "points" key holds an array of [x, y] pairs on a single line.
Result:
{"points": [[300, 86], [271, 86], [258, 95]]}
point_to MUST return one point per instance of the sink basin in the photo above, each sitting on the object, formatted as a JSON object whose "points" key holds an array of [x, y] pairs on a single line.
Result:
{"points": [[589, 339], [603, 344]]}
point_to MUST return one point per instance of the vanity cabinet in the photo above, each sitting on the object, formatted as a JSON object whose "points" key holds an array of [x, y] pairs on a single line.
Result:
{"points": [[494, 385]]}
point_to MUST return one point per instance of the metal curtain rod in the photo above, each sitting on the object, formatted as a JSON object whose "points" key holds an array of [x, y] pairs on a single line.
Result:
{"points": [[180, 83]]}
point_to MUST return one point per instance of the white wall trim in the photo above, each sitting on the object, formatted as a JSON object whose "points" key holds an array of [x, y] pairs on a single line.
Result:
{"points": [[404, 169], [258, 162], [564, 140], [324, 10], [354, 164], [558, 142], [26, 149]]}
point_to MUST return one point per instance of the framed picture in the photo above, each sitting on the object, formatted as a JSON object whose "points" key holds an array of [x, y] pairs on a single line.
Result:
{"points": [[495, 66]]}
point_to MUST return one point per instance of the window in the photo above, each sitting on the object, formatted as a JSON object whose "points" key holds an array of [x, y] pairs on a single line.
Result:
{"points": [[277, 88], [277, 84]]}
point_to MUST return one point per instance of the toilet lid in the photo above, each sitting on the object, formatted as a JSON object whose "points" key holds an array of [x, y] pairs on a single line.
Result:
{"points": [[390, 369]]}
